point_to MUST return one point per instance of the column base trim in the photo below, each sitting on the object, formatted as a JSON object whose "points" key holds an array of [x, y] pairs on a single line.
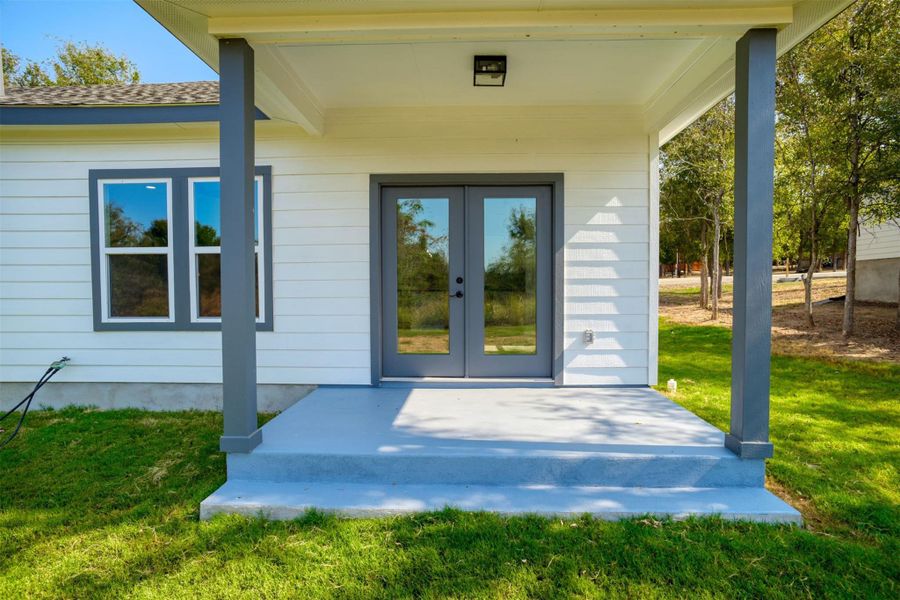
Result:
{"points": [[240, 443], [748, 449]]}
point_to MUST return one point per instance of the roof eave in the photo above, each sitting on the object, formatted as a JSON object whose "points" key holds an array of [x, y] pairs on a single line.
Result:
{"points": [[12, 114]]}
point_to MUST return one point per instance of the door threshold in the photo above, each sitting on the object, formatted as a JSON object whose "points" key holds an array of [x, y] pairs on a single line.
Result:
{"points": [[468, 382]]}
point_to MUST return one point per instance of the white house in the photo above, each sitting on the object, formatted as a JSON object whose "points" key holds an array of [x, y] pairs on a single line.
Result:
{"points": [[878, 263], [414, 195]]}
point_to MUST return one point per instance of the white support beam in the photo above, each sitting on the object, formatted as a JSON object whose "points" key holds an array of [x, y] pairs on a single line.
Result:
{"points": [[532, 24], [285, 96]]}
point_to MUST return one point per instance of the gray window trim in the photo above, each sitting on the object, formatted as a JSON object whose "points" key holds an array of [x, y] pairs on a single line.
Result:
{"points": [[180, 249], [378, 181]]}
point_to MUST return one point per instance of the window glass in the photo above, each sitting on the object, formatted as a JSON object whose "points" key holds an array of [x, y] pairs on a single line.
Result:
{"points": [[207, 213], [206, 295], [156, 249], [423, 276], [209, 285], [138, 285], [207, 221], [510, 276], [136, 214]]}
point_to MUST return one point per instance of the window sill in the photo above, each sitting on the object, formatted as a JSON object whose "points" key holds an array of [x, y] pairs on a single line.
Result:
{"points": [[169, 326]]}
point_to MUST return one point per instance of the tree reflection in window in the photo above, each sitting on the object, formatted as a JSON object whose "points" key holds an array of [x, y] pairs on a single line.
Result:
{"points": [[136, 217], [510, 276], [206, 264], [423, 272]]}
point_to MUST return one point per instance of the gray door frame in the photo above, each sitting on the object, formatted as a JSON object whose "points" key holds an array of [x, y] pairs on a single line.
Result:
{"points": [[376, 285]]}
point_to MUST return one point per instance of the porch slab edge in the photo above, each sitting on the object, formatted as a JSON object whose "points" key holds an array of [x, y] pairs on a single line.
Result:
{"points": [[285, 501]]}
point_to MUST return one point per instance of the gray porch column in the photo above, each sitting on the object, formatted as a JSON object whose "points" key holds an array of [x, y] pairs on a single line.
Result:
{"points": [[236, 163], [754, 164]]}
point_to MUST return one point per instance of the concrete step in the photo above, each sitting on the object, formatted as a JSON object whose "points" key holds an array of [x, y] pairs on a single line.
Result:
{"points": [[615, 465], [285, 500]]}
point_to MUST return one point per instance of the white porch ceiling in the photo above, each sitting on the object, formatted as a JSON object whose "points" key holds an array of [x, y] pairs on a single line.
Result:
{"points": [[669, 59], [440, 74]]}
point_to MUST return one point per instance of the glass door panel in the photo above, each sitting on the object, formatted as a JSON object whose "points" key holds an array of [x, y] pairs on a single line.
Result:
{"points": [[466, 276], [510, 276], [423, 251], [509, 290], [423, 275]]}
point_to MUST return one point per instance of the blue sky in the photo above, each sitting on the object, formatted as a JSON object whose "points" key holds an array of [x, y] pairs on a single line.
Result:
{"points": [[206, 205], [142, 203], [33, 28], [496, 224]]}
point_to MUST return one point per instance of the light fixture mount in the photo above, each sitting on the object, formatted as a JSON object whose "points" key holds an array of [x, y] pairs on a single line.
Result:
{"points": [[490, 71]]}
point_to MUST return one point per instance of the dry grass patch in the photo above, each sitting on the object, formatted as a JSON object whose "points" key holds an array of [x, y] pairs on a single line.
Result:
{"points": [[876, 335]]}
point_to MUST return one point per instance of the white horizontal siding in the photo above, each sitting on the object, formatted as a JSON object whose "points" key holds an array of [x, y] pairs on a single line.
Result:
{"points": [[320, 240], [879, 241]]}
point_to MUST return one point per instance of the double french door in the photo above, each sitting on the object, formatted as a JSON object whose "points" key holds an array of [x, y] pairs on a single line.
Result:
{"points": [[466, 281]]}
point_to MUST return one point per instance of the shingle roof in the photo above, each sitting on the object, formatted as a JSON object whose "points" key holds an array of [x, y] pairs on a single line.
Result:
{"points": [[135, 94]]}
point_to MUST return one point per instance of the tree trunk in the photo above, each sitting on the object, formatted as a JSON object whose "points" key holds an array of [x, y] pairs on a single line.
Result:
{"points": [[807, 288], [850, 298], [722, 273], [704, 267], [813, 260], [717, 272], [853, 195], [704, 282]]}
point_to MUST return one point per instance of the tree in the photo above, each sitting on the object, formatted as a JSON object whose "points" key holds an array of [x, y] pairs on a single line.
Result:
{"points": [[10, 65], [698, 185], [855, 75], [812, 199], [74, 64], [82, 64], [837, 163], [14, 74]]}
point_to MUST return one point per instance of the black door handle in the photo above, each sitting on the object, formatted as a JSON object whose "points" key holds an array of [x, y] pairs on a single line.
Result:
{"points": [[458, 294]]}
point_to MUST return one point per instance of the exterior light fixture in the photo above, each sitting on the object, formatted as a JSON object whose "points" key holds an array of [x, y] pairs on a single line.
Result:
{"points": [[490, 71]]}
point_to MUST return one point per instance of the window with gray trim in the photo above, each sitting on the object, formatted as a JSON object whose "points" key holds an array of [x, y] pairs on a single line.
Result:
{"points": [[155, 249]]}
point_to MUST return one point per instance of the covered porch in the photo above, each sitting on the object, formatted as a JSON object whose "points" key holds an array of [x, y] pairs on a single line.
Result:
{"points": [[613, 453], [649, 71]]}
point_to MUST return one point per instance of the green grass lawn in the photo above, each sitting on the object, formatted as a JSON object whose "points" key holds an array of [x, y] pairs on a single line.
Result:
{"points": [[96, 504]]}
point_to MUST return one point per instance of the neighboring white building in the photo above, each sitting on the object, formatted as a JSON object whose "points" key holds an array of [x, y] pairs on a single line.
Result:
{"points": [[878, 263]]}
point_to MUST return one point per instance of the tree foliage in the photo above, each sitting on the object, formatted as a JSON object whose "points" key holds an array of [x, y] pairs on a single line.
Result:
{"points": [[697, 194], [838, 126], [74, 64]]}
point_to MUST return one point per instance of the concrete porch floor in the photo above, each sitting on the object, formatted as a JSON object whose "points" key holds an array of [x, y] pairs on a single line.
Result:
{"points": [[612, 452]]}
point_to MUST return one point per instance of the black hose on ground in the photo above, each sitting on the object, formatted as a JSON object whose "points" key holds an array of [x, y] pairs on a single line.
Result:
{"points": [[52, 370]]}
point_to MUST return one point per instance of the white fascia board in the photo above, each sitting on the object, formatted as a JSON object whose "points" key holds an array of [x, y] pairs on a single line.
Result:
{"points": [[493, 25], [279, 93]]}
